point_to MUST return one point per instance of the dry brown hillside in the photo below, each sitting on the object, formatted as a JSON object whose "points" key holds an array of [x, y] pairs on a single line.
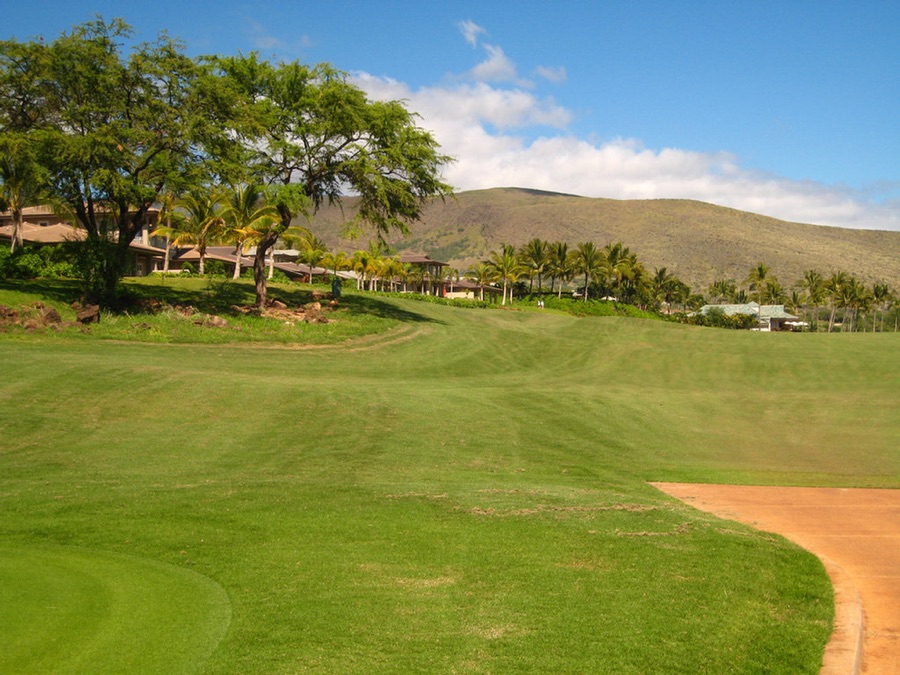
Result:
{"points": [[698, 242]]}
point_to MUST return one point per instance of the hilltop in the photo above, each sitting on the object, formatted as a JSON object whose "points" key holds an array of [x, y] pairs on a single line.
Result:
{"points": [[698, 242]]}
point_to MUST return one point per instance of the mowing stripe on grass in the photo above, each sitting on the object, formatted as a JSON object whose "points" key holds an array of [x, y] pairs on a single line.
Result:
{"points": [[85, 611]]}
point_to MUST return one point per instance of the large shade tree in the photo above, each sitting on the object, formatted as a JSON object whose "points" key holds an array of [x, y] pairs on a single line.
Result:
{"points": [[312, 137], [111, 130]]}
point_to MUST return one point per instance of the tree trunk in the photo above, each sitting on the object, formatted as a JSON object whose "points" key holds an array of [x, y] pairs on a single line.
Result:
{"points": [[17, 241], [237, 261], [259, 269]]}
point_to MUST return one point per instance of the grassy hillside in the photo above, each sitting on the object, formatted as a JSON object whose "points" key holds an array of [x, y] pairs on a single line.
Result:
{"points": [[466, 494], [698, 242]]}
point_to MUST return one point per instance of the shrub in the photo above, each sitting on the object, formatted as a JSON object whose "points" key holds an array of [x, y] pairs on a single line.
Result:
{"points": [[31, 262], [214, 268], [716, 318]]}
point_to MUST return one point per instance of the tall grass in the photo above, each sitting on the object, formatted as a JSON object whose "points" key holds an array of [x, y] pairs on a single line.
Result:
{"points": [[466, 494]]}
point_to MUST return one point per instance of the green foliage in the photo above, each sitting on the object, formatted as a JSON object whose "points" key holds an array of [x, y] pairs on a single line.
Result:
{"points": [[214, 268], [280, 277], [715, 317], [31, 262], [312, 135], [106, 154]]}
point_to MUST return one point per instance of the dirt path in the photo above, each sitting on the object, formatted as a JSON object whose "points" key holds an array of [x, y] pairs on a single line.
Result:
{"points": [[856, 534]]}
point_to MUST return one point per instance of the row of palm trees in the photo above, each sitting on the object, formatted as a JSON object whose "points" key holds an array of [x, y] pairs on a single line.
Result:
{"points": [[615, 271], [612, 271], [810, 294], [239, 216]]}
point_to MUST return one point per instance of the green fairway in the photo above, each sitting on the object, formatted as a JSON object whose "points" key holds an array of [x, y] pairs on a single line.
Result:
{"points": [[466, 492], [74, 610]]}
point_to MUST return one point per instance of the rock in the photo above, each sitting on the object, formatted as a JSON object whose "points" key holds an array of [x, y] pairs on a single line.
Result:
{"points": [[88, 314], [277, 304], [313, 307], [49, 315], [317, 295]]}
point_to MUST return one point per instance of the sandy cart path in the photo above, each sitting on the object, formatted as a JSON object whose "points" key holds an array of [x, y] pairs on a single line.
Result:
{"points": [[856, 534]]}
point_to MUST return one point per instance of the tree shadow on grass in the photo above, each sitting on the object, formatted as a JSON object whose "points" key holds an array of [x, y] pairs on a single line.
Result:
{"points": [[64, 291], [374, 306], [223, 297]]}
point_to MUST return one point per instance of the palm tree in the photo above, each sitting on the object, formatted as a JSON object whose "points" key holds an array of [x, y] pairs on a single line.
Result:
{"points": [[881, 295], [681, 293], [394, 271], [858, 299], [722, 289], [663, 285], [559, 265], [201, 225], [797, 300], [481, 274], [362, 263], [833, 287], [245, 216], [506, 267], [588, 261], [814, 285], [757, 280], [621, 264], [533, 257], [775, 294], [335, 260], [168, 218], [20, 182], [312, 250]]}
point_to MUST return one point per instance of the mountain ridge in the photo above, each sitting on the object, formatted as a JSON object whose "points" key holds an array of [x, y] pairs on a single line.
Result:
{"points": [[697, 241]]}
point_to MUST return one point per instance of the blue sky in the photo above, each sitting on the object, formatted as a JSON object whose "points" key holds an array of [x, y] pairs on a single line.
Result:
{"points": [[788, 108]]}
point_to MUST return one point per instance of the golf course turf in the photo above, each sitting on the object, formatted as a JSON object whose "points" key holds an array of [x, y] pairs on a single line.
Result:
{"points": [[461, 491]]}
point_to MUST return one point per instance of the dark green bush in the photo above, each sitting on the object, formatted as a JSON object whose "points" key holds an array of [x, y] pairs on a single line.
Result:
{"points": [[32, 262]]}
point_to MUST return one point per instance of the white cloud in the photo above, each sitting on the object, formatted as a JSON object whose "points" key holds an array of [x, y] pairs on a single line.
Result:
{"points": [[490, 131], [498, 67], [551, 74], [471, 31]]}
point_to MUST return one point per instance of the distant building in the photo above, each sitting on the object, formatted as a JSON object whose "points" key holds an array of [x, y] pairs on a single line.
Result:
{"points": [[769, 317], [42, 227]]}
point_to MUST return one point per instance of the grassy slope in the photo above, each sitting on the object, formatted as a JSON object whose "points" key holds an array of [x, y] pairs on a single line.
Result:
{"points": [[472, 499], [697, 241]]}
